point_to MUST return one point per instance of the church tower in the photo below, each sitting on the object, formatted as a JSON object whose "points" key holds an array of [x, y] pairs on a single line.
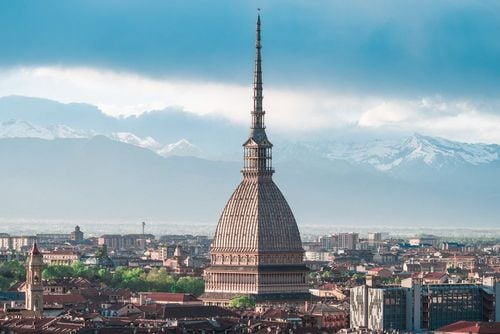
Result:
{"points": [[34, 288], [256, 250]]}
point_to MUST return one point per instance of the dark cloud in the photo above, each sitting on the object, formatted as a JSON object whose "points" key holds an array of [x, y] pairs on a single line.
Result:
{"points": [[388, 47]]}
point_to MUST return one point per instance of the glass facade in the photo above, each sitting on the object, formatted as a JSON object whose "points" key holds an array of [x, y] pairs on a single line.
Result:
{"points": [[420, 307], [448, 303], [395, 300]]}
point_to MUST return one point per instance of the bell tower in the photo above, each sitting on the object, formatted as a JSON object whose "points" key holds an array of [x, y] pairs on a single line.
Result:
{"points": [[34, 288]]}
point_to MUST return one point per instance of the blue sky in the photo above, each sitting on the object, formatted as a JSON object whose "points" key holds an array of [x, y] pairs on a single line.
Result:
{"points": [[426, 66]]}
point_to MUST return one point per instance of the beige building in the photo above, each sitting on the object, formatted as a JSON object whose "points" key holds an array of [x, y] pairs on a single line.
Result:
{"points": [[61, 257], [17, 243], [347, 240], [317, 256], [329, 290], [374, 239], [379, 272], [127, 241], [256, 250], [4, 241]]}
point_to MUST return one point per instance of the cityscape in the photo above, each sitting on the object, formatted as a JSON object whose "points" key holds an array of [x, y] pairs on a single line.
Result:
{"points": [[105, 231]]}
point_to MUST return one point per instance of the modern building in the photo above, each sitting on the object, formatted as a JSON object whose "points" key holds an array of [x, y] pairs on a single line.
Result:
{"points": [[416, 307], [4, 241], [317, 256], [347, 240], [17, 243], [386, 308], [256, 250], [425, 240], [328, 242], [34, 287], [374, 239]]}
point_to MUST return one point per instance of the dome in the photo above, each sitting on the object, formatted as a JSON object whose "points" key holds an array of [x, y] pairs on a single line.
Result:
{"points": [[257, 218], [256, 250]]}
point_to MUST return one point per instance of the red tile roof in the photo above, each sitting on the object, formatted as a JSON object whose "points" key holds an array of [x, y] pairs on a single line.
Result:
{"points": [[471, 327], [434, 275], [171, 297], [64, 299], [328, 286]]}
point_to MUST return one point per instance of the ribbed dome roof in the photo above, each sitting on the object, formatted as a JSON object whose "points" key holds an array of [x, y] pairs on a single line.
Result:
{"points": [[257, 218]]}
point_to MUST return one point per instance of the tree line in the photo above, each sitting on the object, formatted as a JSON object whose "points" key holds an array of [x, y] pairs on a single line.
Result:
{"points": [[135, 279]]}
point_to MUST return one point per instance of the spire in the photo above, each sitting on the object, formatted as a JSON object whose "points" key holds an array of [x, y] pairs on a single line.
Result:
{"points": [[258, 149], [257, 113], [34, 249]]}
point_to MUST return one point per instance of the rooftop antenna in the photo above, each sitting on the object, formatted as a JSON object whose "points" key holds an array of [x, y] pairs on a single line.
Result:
{"points": [[143, 234]]}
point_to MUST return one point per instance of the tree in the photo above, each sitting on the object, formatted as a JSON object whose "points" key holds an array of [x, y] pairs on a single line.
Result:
{"points": [[104, 275], [13, 270], [5, 283], [57, 272], [160, 280], [196, 286], [242, 302], [135, 279], [79, 269], [326, 274]]}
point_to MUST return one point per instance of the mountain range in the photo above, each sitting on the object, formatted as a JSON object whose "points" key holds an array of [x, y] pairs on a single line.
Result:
{"points": [[70, 161]]}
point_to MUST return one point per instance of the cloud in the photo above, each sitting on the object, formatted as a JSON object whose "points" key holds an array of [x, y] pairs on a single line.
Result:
{"points": [[291, 111], [385, 113], [462, 120], [125, 94], [413, 47]]}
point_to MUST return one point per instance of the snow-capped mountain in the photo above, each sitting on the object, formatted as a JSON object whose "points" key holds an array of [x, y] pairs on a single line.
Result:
{"points": [[382, 155], [129, 138], [23, 129], [181, 148], [389, 155]]}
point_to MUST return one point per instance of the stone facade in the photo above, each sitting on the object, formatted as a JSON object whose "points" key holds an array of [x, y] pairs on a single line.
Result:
{"points": [[256, 249]]}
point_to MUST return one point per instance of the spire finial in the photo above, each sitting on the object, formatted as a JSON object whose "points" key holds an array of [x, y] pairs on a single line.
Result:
{"points": [[258, 112]]}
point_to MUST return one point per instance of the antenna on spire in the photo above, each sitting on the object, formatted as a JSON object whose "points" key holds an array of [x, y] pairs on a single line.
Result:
{"points": [[143, 234], [258, 113]]}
